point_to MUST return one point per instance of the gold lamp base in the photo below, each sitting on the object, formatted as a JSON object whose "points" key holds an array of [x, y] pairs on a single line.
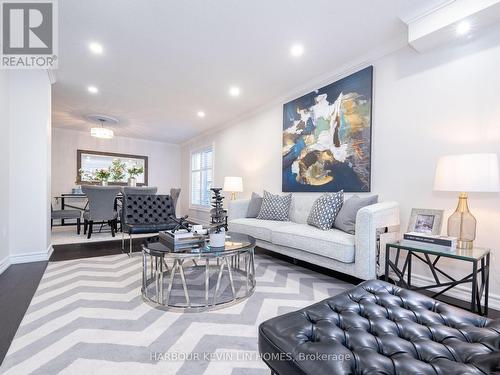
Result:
{"points": [[465, 244], [462, 224]]}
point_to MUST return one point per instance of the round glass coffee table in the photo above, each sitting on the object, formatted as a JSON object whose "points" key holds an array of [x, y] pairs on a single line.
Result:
{"points": [[198, 278]]}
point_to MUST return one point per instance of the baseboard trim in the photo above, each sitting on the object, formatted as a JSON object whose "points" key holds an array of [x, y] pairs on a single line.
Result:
{"points": [[4, 264], [460, 292], [32, 257]]}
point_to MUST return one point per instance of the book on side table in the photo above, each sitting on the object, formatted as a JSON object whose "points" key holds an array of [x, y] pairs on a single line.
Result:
{"points": [[436, 242]]}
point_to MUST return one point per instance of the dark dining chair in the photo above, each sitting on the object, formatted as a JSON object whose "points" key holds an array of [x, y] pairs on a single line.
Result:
{"points": [[101, 207], [66, 215]]}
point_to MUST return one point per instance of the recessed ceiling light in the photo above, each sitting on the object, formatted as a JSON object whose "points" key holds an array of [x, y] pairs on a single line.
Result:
{"points": [[96, 48], [297, 50], [463, 27], [201, 114], [93, 89], [234, 91]]}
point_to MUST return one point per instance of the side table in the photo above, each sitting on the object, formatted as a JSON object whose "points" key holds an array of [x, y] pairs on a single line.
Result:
{"points": [[479, 258]]}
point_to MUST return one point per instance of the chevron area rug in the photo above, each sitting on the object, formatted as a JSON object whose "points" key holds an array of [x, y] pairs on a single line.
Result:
{"points": [[87, 317]]}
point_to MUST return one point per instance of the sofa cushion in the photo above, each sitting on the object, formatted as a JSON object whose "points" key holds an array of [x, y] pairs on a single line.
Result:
{"points": [[346, 218], [325, 210], [254, 205], [275, 207], [332, 243], [301, 207], [260, 229]]}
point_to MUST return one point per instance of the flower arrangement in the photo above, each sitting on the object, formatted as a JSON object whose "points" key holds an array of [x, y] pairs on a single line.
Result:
{"points": [[102, 174], [117, 170], [135, 171]]}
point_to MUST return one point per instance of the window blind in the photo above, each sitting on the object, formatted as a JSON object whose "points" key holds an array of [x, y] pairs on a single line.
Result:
{"points": [[201, 177]]}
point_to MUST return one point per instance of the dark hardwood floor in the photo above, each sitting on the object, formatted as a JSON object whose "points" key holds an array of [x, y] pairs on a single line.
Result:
{"points": [[92, 249], [19, 282]]}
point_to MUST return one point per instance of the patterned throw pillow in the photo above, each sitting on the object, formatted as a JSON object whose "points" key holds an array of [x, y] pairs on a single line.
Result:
{"points": [[325, 210], [275, 207]]}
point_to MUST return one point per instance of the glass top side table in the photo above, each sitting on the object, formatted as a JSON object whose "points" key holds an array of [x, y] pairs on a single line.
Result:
{"points": [[477, 256]]}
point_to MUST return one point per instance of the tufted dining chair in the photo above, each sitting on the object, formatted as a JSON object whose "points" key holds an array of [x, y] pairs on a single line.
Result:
{"points": [[146, 214]]}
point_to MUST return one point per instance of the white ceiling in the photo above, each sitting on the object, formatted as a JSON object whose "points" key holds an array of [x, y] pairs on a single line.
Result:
{"points": [[165, 60]]}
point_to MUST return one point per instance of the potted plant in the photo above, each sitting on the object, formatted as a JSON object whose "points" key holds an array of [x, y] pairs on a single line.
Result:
{"points": [[133, 172], [103, 175], [218, 214], [117, 170]]}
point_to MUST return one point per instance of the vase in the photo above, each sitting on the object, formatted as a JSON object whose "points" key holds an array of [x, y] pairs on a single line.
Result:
{"points": [[132, 181], [217, 239], [104, 183]]}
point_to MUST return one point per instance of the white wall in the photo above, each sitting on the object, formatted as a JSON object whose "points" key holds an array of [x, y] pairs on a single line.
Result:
{"points": [[25, 153], [425, 105], [163, 158], [4, 170]]}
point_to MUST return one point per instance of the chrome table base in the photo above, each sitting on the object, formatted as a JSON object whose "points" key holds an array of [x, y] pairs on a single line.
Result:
{"points": [[238, 269]]}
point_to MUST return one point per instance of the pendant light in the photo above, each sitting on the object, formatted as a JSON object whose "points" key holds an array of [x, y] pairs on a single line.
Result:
{"points": [[101, 131]]}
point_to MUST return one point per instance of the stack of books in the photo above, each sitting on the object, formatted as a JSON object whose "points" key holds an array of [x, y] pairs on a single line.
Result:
{"points": [[181, 239], [431, 241]]}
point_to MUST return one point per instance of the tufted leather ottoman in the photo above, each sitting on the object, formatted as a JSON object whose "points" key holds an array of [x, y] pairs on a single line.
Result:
{"points": [[379, 328]]}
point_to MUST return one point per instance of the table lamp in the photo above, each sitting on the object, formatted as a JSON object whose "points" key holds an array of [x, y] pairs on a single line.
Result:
{"points": [[233, 185], [465, 174]]}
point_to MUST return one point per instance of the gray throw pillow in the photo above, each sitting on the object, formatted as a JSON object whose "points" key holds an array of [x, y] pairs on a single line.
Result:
{"points": [[275, 207], [346, 219], [325, 210], [254, 206]]}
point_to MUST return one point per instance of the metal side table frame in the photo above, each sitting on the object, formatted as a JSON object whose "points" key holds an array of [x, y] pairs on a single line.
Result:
{"points": [[479, 257]]}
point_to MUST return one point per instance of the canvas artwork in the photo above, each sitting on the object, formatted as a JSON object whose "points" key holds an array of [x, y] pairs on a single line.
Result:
{"points": [[327, 137]]}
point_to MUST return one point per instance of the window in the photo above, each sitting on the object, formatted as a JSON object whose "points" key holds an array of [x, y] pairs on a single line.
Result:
{"points": [[201, 177]]}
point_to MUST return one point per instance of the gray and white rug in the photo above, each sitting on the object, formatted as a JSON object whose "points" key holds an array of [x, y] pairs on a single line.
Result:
{"points": [[87, 317]]}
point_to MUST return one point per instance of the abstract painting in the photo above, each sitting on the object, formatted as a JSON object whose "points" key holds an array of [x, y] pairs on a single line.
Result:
{"points": [[327, 137]]}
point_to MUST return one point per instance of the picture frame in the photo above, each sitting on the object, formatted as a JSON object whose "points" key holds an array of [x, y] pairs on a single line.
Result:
{"points": [[327, 137], [426, 221]]}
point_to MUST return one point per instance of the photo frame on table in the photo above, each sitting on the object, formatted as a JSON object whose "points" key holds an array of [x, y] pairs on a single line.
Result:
{"points": [[426, 221]]}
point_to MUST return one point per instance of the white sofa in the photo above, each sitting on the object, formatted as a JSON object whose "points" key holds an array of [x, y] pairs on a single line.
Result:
{"points": [[354, 255]]}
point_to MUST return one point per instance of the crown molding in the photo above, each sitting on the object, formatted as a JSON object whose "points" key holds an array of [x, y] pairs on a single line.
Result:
{"points": [[427, 12]]}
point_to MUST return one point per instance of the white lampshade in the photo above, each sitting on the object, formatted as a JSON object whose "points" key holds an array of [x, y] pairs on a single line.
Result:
{"points": [[233, 184], [467, 173]]}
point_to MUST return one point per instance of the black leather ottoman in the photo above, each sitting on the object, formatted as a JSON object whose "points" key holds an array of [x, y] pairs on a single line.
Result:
{"points": [[379, 328]]}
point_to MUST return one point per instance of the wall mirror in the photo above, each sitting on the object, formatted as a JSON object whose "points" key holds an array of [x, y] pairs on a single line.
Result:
{"points": [[111, 168]]}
